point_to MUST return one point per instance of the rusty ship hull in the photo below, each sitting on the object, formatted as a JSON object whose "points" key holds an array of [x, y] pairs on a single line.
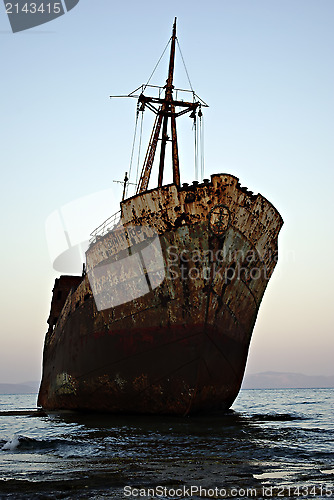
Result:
{"points": [[181, 347]]}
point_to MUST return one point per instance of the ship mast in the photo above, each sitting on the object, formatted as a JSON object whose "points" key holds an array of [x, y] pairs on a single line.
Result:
{"points": [[167, 110]]}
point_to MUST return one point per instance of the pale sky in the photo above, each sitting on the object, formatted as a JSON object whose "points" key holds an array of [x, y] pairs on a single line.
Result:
{"points": [[265, 67]]}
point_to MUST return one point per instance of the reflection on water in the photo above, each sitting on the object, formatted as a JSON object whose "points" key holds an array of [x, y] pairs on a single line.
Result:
{"points": [[269, 438]]}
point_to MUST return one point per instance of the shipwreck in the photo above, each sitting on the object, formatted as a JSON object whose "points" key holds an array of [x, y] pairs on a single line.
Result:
{"points": [[161, 319]]}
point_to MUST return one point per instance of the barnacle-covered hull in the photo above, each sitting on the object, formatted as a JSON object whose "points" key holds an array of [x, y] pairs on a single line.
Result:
{"points": [[162, 321]]}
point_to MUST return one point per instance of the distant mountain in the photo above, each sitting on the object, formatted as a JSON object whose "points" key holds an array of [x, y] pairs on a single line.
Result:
{"points": [[23, 388], [281, 380], [264, 380]]}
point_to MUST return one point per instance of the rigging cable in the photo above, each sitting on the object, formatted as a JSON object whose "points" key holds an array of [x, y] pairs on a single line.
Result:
{"points": [[196, 146], [201, 126], [139, 147], [147, 155], [155, 67], [185, 67], [133, 148]]}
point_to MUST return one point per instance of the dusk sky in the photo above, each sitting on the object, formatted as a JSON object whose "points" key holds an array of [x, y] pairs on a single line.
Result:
{"points": [[265, 67]]}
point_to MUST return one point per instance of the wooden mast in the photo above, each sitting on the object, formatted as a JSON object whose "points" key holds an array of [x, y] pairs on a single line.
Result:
{"points": [[165, 111], [168, 110]]}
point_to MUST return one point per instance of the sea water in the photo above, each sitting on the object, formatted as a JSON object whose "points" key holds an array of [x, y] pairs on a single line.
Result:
{"points": [[273, 444]]}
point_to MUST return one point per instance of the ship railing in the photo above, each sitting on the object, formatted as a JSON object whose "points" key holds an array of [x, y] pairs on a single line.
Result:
{"points": [[104, 228]]}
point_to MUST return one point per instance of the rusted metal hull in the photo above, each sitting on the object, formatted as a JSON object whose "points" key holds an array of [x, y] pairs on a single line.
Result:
{"points": [[172, 370], [182, 346]]}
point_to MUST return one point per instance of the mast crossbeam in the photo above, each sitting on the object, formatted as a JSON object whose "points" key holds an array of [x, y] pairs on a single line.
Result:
{"points": [[166, 109]]}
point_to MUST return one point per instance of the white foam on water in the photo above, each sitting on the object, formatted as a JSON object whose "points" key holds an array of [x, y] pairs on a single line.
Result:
{"points": [[12, 444], [278, 474], [327, 471]]}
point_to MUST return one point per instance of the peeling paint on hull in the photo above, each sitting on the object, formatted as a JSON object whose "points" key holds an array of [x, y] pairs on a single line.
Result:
{"points": [[182, 347]]}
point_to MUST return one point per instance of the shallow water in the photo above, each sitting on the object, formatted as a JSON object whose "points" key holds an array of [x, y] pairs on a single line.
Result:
{"points": [[274, 443]]}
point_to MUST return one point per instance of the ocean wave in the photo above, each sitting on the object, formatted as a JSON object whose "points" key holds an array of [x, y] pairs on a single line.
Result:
{"points": [[23, 443], [281, 417], [16, 442]]}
